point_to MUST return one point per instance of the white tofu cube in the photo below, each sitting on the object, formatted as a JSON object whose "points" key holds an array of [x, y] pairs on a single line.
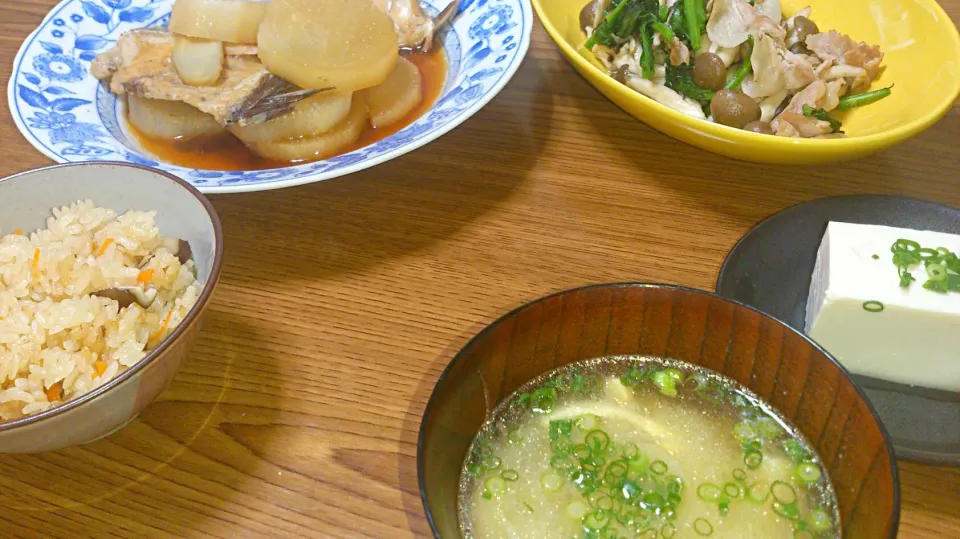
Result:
{"points": [[915, 339]]}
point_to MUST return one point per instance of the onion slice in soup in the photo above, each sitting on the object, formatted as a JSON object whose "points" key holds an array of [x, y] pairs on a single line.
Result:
{"points": [[395, 97], [312, 116], [319, 146], [344, 44], [169, 120], [197, 61], [235, 21]]}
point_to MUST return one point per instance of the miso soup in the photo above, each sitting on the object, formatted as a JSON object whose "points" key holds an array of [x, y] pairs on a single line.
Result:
{"points": [[626, 446]]}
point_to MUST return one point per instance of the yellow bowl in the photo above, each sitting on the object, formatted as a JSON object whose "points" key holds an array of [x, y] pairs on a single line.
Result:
{"points": [[922, 58]]}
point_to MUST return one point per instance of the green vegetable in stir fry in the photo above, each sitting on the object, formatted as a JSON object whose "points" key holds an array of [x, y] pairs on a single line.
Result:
{"points": [[667, 45]]}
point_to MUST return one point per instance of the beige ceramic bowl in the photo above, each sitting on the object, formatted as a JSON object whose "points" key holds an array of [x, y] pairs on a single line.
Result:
{"points": [[25, 202]]}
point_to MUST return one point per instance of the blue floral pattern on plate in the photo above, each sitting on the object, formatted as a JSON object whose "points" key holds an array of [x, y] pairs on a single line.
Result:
{"points": [[70, 116]]}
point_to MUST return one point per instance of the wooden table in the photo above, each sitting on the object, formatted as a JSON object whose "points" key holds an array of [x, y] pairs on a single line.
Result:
{"points": [[341, 303]]}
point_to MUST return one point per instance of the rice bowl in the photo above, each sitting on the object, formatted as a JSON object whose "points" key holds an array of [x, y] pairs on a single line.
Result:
{"points": [[58, 338]]}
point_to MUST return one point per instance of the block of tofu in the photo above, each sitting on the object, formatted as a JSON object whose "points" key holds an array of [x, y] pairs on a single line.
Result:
{"points": [[914, 339]]}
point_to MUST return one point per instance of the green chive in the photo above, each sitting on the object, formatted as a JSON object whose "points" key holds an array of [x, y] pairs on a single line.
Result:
{"points": [[808, 472], [820, 520], [745, 68], [703, 527], [794, 450], [597, 440], [595, 520], [744, 432], [630, 450], [577, 510], [788, 511], [674, 484], [859, 100], [513, 437], [666, 381], [709, 492], [495, 485], [658, 467], [752, 459], [783, 493], [936, 272], [551, 482], [739, 475], [510, 475], [618, 469], [587, 422], [768, 428], [873, 306], [561, 463], [758, 492], [581, 452], [733, 490], [875, 257], [560, 428], [691, 12], [604, 503], [528, 506], [491, 462], [668, 530]]}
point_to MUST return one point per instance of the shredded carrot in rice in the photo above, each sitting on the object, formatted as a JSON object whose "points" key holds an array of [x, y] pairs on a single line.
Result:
{"points": [[18, 232], [163, 327], [100, 367], [145, 276], [54, 392], [103, 248], [34, 263]]}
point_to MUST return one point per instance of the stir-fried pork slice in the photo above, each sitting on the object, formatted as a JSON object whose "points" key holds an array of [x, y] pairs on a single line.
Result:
{"points": [[769, 76], [798, 69], [834, 45], [819, 95], [679, 52], [140, 64], [770, 8], [791, 124], [769, 105], [731, 21]]}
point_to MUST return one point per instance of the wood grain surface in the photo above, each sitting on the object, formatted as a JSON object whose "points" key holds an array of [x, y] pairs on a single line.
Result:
{"points": [[341, 302]]}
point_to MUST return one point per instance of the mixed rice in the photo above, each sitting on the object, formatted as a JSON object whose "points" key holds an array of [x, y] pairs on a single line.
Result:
{"points": [[58, 339]]}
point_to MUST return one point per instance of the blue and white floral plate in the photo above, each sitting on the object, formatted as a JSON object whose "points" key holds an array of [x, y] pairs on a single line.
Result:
{"points": [[70, 116]]}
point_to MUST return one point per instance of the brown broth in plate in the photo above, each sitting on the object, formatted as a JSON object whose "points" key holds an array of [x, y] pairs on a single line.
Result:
{"points": [[226, 152]]}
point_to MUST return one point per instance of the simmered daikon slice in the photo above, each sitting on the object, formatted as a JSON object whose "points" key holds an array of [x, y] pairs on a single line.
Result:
{"points": [[312, 116], [395, 97], [235, 21], [197, 61], [169, 120], [344, 44], [319, 146]]}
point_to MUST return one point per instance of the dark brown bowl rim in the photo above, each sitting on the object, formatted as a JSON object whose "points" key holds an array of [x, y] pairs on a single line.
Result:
{"points": [[459, 357], [190, 319]]}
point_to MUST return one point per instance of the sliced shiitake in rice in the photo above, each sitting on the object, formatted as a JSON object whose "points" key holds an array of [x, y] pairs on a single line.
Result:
{"points": [[169, 120], [312, 116], [128, 295], [235, 21], [198, 61], [319, 146], [342, 44], [395, 97]]}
